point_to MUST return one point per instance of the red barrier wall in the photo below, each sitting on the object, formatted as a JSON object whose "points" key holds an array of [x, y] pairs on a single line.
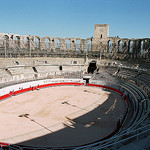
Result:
{"points": [[107, 87], [113, 89], [22, 91], [35, 88], [56, 84], [4, 96], [3, 144]]}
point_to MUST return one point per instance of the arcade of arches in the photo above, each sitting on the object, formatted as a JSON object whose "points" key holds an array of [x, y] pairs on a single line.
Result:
{"points": [[14, 45]]}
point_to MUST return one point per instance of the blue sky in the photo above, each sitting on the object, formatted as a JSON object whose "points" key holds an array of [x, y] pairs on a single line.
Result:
{"points": [[75, 18]]}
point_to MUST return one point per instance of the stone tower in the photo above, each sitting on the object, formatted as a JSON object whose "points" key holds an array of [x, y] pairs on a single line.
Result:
{"points": [[101, 32]]}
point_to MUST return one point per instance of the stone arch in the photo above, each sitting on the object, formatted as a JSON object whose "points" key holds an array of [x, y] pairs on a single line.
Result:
{"points": [[120, 45], [26, 42], [88, 45], [37, 43], [92, 67], [110, 46], [141, 46], [78, 45], [68, 44], [6, 41], [57, 43], [17, 41], [47, 43], [131, 44]]}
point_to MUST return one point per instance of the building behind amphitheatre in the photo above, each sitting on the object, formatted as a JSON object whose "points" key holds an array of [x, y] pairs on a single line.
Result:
{"points": [[100, 46]]}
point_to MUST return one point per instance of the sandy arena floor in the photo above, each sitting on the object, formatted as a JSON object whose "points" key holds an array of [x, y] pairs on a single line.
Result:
{"points": [[60, 116]]}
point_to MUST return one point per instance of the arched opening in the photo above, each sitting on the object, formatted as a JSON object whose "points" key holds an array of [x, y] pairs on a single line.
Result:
{"points": [[37, 43], [101, 36], [6, 41], [77, 45], [88, 45], [142, 46], [26, 42], [67, 44], [47, 43], [92, 67], [57, 46], [131, 46], [120, 45], [109, 46], [17, 41]]}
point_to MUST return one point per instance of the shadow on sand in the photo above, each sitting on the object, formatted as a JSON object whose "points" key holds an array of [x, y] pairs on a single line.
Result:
{"points": [[91, 127]]}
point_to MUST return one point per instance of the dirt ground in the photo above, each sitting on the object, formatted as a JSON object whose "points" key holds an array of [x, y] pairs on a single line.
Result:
{"points": [[60, 116]]}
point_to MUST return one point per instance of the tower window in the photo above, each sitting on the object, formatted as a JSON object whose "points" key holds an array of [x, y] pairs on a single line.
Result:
{"points": [[101, 36]]}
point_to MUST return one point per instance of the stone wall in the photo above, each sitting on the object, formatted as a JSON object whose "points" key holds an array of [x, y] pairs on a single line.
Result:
{"points": [[14, 45]]}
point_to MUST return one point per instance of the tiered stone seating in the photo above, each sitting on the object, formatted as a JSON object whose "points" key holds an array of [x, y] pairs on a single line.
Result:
{"points": [[77, 74], [130, 80], [47, 68], [72, 68], [6, 63], [44, 71], [141, 102], [124, 73], [16, 74], [16, 70], [20, 70], [144, 78], [4, 76], [4, 73], [108, 69]]}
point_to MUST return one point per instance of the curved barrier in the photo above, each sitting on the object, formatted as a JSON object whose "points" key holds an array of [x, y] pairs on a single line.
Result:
{"points": [[31, 86], [110, 88]]}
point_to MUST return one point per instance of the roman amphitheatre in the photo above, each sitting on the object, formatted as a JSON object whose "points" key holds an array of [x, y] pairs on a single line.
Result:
{"points": [[73, 93]]}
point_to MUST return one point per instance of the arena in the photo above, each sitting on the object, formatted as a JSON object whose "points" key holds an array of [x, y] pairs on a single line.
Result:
{"points": [[61, 109], [89, 93]]}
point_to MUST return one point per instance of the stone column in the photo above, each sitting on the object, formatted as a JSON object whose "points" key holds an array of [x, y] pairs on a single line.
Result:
{"points": [[83, 45], [62, 44], [31, 42], [1, 40], [72, 44], [53, 44]]}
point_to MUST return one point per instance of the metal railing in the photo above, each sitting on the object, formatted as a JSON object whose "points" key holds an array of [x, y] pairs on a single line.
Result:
{"points": [[114, 142]]}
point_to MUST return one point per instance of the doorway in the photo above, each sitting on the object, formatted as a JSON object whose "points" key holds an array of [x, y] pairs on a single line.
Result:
{"points": [[92, 67]]}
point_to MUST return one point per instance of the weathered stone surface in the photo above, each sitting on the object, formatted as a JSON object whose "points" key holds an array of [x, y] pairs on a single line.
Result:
{"points": [[14, 45]]}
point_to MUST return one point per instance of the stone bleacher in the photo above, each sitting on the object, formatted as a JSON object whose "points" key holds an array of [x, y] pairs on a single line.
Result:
{"points": [[47, 68], [127, 73], [144, 78], [16, 74], [142, 101], [4, 73]]}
